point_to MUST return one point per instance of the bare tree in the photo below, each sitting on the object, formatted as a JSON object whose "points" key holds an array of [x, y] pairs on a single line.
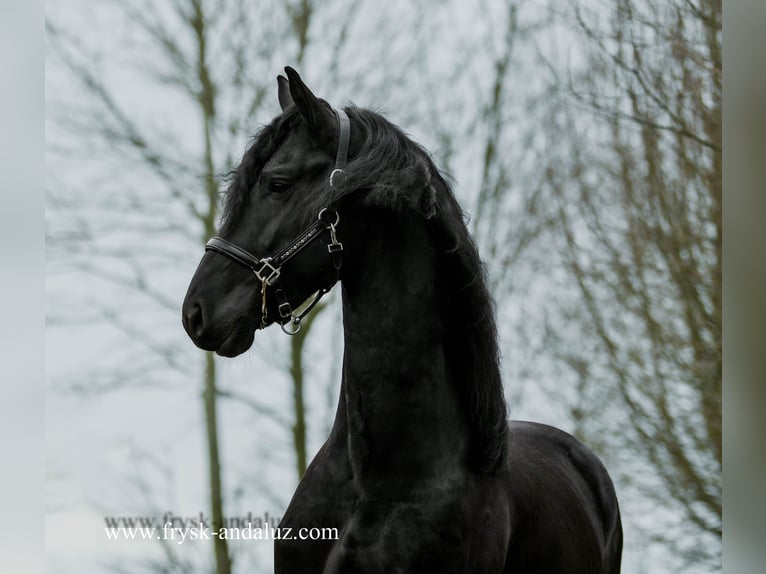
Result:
{"points": [[599, 215], [216, 61], [635, 186], [597, 203], [204, 53]]}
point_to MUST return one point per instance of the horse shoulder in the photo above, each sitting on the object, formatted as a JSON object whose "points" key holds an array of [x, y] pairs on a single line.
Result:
{"points": [[564, 504]]}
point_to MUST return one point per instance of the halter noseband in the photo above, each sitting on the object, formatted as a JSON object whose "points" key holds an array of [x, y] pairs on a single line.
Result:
{"points": [[269, 269]]}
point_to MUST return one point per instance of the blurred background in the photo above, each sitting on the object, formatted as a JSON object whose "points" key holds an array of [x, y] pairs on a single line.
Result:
{"points": [[583, 139]]}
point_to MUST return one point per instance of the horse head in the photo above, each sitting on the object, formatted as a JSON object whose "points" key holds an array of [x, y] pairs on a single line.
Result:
{"points": [[278, 248]]}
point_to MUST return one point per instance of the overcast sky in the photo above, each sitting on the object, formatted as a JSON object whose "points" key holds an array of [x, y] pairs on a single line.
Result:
{"points": [[102, 447]]}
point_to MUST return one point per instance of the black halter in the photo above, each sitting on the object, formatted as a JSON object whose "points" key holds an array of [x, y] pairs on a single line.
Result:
{"points": [[269, 269]]}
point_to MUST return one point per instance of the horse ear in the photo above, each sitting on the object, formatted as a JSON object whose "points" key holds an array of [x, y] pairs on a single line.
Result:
{"points": [[318, 116], [283, 92]]}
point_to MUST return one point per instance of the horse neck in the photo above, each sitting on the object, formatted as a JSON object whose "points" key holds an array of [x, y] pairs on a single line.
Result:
{"points": [[402, 408]]}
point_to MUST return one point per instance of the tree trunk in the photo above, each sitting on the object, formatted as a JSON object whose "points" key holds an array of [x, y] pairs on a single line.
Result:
{"points": [[222, 559]]}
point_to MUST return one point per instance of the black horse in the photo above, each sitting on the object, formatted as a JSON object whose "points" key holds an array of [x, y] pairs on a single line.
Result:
{"points": [[421, 471]]}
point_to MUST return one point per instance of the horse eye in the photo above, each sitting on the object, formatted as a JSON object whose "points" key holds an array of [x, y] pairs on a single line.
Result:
{"points": [[278, 186]]}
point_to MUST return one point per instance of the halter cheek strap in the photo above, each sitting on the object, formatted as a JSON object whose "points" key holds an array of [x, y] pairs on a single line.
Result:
{"points": [[269, 269]]}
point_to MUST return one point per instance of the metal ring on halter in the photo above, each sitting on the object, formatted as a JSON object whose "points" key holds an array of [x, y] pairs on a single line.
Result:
{"points": [[293, 321], [333, 224], [337, 171]]}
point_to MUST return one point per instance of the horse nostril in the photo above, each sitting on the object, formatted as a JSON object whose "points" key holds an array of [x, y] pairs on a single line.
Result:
{"points": [[193, 321]]}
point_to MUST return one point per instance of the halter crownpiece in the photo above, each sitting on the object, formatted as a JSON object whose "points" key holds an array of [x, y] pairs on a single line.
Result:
{"points": [[269, 269], [341, 156]]}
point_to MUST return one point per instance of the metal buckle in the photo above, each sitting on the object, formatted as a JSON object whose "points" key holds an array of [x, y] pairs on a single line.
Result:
{"points": [[273, 271], [285, 310]]}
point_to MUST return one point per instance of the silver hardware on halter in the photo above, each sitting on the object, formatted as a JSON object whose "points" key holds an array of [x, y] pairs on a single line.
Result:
{"points": [[300, 312], [337, 172], [264, 311], [329, 225], [293, 321], [334, 245], [273, 272], [285, 310]]}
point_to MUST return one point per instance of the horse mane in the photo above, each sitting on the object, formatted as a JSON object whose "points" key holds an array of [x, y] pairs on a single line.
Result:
{"points": [[396, 173]]}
